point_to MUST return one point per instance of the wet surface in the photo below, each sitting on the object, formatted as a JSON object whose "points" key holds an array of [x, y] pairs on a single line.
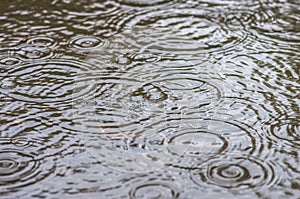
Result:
{"points": [[150, 99]]}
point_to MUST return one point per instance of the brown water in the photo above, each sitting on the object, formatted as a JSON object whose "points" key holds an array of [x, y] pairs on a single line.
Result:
{"points": [[150, 99]]}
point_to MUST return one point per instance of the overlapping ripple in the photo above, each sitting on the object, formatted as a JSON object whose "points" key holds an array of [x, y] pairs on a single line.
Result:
{"points": [[212, 137], [131, 111], [183, 31], [257, 74], [43, 82], [156, 92], [19, 167], [283, 131], [284, 29], [38, 132]]}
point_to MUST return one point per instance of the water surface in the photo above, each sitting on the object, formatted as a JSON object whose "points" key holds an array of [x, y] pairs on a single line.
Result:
{"points": [[150, 99]]}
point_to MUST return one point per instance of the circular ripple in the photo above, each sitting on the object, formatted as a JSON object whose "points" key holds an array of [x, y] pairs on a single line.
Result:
{"points": [[154, 190], [146, 57], [196, 143], [41, 41], [210, 138], [143, 3], [9, 61], [236, 172], [284, 130], [86, 42], [44, 82], [17, 142], [24, 142], [34, 52], [181, 31], [18, 169]]}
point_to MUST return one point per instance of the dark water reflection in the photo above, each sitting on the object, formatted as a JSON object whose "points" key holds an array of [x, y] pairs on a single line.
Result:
{"points": [[150, 99]]}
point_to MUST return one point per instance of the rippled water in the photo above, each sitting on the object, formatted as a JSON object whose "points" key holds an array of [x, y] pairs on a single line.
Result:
{"points": [[150, 99]]}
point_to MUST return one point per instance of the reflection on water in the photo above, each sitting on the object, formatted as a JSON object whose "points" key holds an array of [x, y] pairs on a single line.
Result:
{"points": [[150, 99]]}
